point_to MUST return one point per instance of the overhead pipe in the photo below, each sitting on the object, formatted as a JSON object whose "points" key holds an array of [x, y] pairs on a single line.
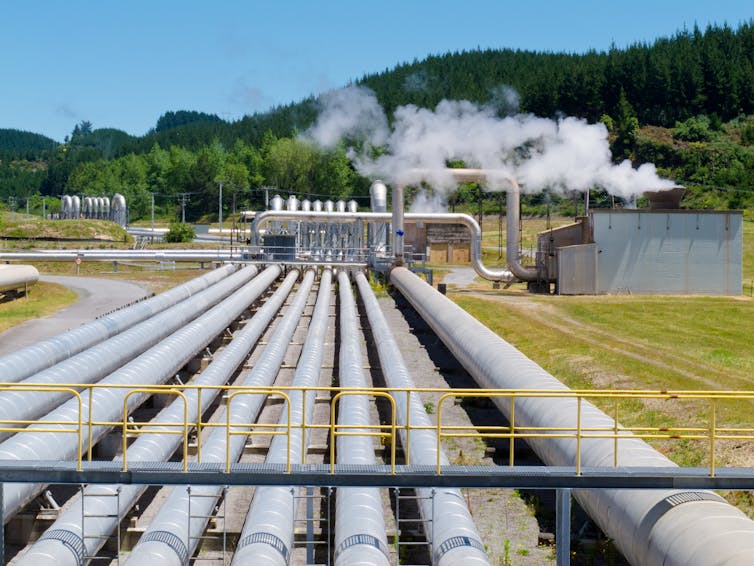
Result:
{"points": [[650, 527], [195, 256], [66, 542], [263, 218], [268, 531], [360, 536], [31, 359], [447, 521], [101, 359], [153, 367], [172, 535]]}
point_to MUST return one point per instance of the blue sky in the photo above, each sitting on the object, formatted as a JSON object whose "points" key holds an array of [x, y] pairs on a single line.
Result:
{"points": [[123, 64]]}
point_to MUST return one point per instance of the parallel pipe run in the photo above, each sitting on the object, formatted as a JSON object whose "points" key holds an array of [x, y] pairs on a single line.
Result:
{"points": [[68, 541], [263, 218], [107, 356], [359, 523], [650, 527], [267, 536], [195, 256], [447, 521], [154, 366], [174, 533], [27, 361]]}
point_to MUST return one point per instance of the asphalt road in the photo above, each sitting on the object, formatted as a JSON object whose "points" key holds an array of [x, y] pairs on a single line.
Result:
{"points": [[96, 296]]}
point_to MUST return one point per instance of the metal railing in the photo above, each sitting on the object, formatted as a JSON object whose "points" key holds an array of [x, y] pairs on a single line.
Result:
{"points": [[708, 411]]}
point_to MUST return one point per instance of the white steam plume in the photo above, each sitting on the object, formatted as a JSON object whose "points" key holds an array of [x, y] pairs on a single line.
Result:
{"points": [[352, 112], [564, 155]]}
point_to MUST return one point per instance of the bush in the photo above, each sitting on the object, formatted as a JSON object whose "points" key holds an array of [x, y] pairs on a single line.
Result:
{"points": [[695, 129], [180, 232]]}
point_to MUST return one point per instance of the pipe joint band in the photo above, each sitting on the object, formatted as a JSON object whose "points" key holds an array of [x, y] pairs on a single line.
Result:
{"points": [[265, 538], [169, 539], [69, 539], [457, 542], [362, 538]]}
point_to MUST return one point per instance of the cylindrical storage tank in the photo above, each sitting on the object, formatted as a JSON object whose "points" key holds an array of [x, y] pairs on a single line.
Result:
{"points": [[88, 207], [106, 208], [340, 206], [17, 277], [329, 206], [317, 205], [352, 206], [293, 203], [97, 207], [76, 203], [306, 205], [276, 203], [378, 196], [66, 207], [118, 206], [378, 232]]}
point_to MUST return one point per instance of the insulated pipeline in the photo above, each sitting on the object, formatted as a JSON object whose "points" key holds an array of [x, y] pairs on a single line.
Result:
{"points": [[650, 527], [359, 523], [107, 356], [67, 541], [38, 356], [267, 536], [173, 534], [447, 521], [154, 366]]}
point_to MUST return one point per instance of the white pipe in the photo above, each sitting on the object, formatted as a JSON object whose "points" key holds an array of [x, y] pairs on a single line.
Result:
{"points": [[447, 522], [267, 536], [63, 544], [154, 366], [173, 535], [650, 527], [359, 523], [410, 217]]}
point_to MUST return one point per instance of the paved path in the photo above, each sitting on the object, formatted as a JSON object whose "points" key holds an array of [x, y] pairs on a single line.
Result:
{"points": [[96, 296], [460, 276]]}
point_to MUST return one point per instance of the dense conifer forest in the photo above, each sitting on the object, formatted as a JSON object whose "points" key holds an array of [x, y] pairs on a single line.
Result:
{"points": [[685, 103]]}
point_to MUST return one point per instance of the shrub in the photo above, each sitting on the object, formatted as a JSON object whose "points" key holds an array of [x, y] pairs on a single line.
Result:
{"points": [[695, 129], [747, 134], [180, 232]]}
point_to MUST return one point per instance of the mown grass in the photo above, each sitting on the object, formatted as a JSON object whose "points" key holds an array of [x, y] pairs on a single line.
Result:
{"points": [[43, 300]]}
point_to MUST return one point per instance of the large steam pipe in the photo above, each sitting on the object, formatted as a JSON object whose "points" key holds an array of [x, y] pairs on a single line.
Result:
{"points": [[111, 255], [263, 218], [447, 521], [38, 356], [68, 541], [650, 527], [359, 523], [174, 533], [268, 531], [107, 356], [154, 366], [17, 277]]}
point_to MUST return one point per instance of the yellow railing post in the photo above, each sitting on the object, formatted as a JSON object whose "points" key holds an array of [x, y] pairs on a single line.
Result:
{"points": [[712, 434]]}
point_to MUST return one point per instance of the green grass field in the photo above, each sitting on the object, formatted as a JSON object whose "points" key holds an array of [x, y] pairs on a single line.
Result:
{"points": [[43, 300]]}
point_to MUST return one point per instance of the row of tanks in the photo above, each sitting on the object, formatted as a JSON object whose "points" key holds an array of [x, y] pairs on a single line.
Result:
{"points": [[102, 208]]}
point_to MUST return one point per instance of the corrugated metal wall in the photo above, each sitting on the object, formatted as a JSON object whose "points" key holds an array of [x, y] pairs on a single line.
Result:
{"points": [[668, 252], [577, 270]]}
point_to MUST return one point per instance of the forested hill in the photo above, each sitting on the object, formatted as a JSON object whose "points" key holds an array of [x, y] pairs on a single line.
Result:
{"points": [[18, 143], [685, 102], [694, 72]]}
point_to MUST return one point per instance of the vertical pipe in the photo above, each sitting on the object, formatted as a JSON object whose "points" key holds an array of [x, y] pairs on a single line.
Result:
{"points": [[398, 224]]}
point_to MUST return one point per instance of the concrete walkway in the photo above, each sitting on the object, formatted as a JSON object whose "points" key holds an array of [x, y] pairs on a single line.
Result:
{"points": [[96, 296], [460, 276]]}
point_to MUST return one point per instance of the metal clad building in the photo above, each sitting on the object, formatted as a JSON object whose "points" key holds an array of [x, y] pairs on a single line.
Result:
{"points": [[668, 252]]}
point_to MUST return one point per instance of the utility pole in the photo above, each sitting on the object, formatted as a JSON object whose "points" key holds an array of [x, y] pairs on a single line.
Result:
{"points": [[44, 208], [12, 201], [183, 208], [27, 206], [152, 195], [220, 208]]}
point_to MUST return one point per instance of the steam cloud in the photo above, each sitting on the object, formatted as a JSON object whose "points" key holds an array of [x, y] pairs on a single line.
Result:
{"points": [[564, 155]]}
